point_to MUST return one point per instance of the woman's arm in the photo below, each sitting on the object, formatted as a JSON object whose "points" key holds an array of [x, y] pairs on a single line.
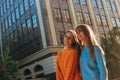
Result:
{"points": [[101, 63]]}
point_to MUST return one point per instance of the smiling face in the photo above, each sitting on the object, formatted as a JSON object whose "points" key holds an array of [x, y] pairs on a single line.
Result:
{"points": [[81, 35], [68, 39]]}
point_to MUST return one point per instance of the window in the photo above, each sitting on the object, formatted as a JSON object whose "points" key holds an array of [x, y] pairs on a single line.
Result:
{"points": [[100, 4], [1, 11], [11, 2], [61, 37], [3, 27], [113, 6], [24, 29], [109, 6], [87, 18], [6, 24], [8, 4], [118, 22], [66, 16], [98, 20], [80, 17], [84, 2], [38, 68], [15, 36], [31, 2], [21, 9], [17, 13], [27, 72], [34, 19], [13, 17], [9, 19], [65, 0], [104, 20], [113, 22], [8, 39], [29, 26], [4, 7], [94, 3], [11, 38], [26, 5], [58, 15], [76, 1], [19, 32]]}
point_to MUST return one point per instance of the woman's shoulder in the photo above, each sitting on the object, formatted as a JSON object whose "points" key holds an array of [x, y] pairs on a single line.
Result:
{"points": [[67, 51], [96, 47], [59, 53], [72, 50]]}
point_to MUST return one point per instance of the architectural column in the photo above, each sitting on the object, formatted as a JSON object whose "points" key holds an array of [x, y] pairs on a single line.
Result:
{"points": [[117, 3], [51, 22], [107, 14], [92, 16], [40, 19], [71, 5]]}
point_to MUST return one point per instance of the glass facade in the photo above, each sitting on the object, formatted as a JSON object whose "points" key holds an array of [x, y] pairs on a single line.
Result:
{"points": [[21, 9], [20, 26], [26, 5], [34, 19]]}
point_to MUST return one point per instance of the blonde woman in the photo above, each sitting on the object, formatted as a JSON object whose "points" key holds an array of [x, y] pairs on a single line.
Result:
{"points": [[67, 63], [92, 60]]}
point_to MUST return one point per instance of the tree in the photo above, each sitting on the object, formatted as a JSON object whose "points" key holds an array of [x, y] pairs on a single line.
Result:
{"points": [[8, 67], [111, 46]]}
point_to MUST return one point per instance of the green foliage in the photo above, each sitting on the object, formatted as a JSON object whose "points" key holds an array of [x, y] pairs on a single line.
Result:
{"points": [[111, 45], [8, 67]]}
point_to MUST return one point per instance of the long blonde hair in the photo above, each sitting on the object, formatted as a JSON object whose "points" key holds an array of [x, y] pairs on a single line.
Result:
{"points": [[91, 39]]}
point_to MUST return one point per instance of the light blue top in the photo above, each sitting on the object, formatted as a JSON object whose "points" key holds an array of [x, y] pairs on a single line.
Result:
{"points": [[93, 68]]}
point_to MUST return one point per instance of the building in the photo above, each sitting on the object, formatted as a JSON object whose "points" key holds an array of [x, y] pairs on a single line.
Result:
{"points": [[34, 29]]}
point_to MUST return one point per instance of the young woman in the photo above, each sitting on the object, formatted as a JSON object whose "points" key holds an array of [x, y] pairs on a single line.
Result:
{"points": [[92, 60], [67, 62]]}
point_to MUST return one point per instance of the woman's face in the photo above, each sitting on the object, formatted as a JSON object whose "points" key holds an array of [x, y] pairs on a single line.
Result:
{"points": [[68, 39], [81, 35]]}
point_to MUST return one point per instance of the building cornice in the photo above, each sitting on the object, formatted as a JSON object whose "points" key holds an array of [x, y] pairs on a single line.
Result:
{"points": [[41, 53]]}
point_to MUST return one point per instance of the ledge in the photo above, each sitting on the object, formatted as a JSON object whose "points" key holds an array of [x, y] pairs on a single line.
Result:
{"points": [[43, 52]]}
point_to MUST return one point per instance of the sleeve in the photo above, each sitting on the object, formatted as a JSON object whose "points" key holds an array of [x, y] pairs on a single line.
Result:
{"points": [[58, 70], [72, 65], [100, 59]]}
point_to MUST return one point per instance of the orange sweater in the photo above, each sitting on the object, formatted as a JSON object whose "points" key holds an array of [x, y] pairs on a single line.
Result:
{"points": [[67, 65]]}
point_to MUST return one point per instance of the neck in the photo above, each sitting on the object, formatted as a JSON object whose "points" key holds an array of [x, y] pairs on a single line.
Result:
{"points": [[84, 43], [66, 47]]}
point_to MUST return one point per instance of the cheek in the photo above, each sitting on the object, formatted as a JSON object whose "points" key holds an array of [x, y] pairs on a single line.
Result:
{"points": [[81, 36], [70, 42]]}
